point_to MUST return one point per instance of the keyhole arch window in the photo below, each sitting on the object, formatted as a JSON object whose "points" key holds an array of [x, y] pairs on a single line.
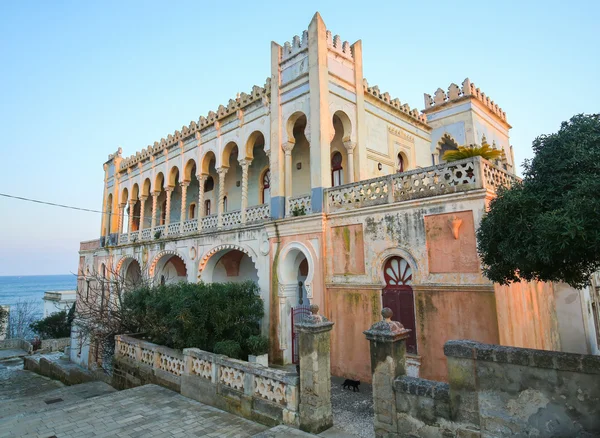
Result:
{"points": [[397, 272], [400, 163], [163, 213], [337, 172], [266, 186], [207, 207]]}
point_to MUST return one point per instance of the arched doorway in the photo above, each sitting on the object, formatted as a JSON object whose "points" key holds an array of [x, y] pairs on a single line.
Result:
{"points": [[295, 295], [170, 269], [398, 296], [229, 265], [130, 273]]}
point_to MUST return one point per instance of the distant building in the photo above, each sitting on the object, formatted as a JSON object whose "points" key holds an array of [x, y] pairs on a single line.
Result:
{"points": [[57, 300]]}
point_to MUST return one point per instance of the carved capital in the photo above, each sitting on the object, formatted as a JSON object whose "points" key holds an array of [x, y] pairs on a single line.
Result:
{"points": [[222, 171], [350, 145], [245, 162], [288, 146], [169, 189], [184, 183]]}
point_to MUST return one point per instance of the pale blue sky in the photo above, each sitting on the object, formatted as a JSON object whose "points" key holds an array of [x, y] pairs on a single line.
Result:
{"points": [[78, 79]]}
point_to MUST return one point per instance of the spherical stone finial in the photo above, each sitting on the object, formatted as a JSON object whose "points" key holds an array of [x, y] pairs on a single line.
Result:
{"points": [[314, 309], [387, 313]]}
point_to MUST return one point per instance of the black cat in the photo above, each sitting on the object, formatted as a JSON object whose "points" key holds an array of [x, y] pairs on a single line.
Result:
{"points": [[348, 383]]}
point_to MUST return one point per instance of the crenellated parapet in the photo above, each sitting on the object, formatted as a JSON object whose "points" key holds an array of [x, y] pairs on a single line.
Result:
{"points": [[296, 46], [241, 101], [456, 93], [414, 113], [335, 44]]}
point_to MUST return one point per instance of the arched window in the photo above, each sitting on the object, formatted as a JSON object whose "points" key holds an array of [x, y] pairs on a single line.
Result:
{"points": [[207, 207], [266, 186], [163, 213], [224, 204], [337, 175], [192, 212], [209, 184], [400, 166]]}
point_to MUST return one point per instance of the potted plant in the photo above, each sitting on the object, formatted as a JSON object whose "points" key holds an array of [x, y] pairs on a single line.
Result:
{"points": [[157, 234], [299, 210], [258, 347]]}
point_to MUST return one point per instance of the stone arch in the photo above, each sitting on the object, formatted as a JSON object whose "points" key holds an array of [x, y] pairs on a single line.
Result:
{"points": [[379, 262], [208, 156], [159, 182], [218, 248], [188, 170], [124, 196], [227, 150], [253, 138], [135, 192], [346, 124], [174, 176], [446, 142], [146, 187], [126, 270], [161, 256], [291, 122], [289, 265]]}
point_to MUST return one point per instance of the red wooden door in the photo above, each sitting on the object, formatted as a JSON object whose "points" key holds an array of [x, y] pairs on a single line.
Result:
{"points": [[398, 296]]}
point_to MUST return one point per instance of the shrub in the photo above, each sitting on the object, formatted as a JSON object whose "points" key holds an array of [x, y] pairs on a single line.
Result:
{"points": [[57, 325], [195, 314], [257, 345], [232, 349]]}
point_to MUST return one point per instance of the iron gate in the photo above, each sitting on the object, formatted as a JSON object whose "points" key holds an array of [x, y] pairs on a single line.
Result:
{"points": [[298, 315]]}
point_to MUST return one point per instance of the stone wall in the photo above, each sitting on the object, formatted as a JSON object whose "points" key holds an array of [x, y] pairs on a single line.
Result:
{"points": [[498, 391], [265, 395], [21, 344]]}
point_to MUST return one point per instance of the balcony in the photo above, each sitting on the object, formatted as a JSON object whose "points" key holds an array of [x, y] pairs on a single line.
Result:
{"points": [[459, 176]]}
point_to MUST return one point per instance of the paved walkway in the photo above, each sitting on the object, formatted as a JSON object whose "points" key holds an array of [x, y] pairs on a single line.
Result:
{"points": [[352, 411]]}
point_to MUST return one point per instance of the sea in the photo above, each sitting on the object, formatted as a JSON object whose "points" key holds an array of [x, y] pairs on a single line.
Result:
{"points": [[32, 287]]}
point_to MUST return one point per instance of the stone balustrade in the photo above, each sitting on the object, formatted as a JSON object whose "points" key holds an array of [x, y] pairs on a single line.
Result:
{"points": [[299, 204], [232, 219], [263, 394], [459, 176], [258, 213]]}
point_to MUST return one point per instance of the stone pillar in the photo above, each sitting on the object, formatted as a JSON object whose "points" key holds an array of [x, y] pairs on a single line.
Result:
{"points": [[388, 361], [315, 374], [154, 201], [131, 213], [184, 186], [350, 145], [221, 171], [169, 192], [201, 178], [121, 217], [287, 149], [142, 208], [245, 165]]}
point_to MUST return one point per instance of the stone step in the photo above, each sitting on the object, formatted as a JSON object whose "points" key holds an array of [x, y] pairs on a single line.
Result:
{"points": [[144, 411], [20, 383], [55, 399]]}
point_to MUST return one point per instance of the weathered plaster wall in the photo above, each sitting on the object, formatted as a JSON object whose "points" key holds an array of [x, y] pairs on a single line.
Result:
{"points": [[451, 314], [349, 248], [571, 324], [526, 315], [353, 311]]}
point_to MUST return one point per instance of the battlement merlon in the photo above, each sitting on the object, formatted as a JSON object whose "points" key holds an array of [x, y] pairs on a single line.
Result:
{"points": [[241, 101], [441, 99]]}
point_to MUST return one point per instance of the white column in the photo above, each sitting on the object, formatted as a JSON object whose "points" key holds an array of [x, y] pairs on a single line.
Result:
{"points": [[131, 212], [154, 201], [184, 186], [350, 145], [142, 208], [245, 165], [169, 192], [200, 209], [121, 217], [287, 149], [221, 171]]}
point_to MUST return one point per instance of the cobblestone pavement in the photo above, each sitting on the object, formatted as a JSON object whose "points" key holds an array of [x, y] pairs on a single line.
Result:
{"points": [[17, 383], [352, 411]]}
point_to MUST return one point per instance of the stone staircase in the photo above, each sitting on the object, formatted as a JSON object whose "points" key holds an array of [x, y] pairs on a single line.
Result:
{"points": [[35, 406]]}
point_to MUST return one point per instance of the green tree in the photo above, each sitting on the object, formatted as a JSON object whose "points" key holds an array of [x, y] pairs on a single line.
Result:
{"points": [[54, 326], [547, 227]]}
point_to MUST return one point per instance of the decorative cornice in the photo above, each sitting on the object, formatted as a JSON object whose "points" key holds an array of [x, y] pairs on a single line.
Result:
{"points": [[400, 133], [413, 114], [456, 94], [241, 101]]}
